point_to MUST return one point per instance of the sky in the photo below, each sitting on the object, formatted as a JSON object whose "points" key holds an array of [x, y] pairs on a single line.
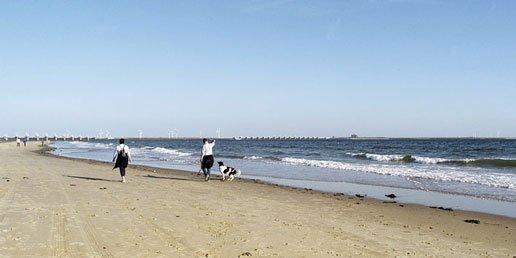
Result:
{"points": [[396, 68]]}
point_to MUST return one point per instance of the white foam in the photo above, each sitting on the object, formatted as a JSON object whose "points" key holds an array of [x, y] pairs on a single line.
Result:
{"points": [[89, 145], [442, 173], [253, 157], [427, 160], [170, 152], [379, 157], [394, 157]]}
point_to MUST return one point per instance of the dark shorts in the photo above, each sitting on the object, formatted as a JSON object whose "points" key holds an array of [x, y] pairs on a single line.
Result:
{"points": [[207, 161]]}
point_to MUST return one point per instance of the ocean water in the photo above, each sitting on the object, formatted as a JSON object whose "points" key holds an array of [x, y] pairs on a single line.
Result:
{"points": [[479, 172]]}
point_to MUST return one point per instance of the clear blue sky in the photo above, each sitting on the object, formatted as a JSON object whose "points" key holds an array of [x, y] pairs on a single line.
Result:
{"points": [[275, 67]]}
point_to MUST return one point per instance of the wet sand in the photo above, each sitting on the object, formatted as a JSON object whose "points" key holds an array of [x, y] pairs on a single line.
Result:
{"points": [[52, 206]]}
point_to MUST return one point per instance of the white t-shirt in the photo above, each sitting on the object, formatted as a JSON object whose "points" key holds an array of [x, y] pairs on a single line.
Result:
{"points": [[207, 149], [119, 149]]}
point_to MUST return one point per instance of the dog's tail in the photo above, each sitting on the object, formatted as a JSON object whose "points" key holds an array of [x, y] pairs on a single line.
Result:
{"points": [[238, 172]]}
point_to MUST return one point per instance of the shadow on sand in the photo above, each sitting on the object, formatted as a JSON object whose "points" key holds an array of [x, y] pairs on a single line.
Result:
{"points": [[92, 178], [173, 178]]}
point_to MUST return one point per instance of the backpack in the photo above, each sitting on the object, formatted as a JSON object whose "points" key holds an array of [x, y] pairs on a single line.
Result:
{"points": [[122, 152]]}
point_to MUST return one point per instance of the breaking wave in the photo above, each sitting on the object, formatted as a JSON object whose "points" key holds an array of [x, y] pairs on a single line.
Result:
{"points": [[90, 145], [159, 150], [490, 179], [500, 163], [252, 157]]}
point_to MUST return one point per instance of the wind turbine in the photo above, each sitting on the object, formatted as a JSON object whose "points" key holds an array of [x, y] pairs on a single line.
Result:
{"points": [[172, 133]]}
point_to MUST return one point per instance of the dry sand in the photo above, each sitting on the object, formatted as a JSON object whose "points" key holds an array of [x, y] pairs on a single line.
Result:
{"points": [[53, 206]]}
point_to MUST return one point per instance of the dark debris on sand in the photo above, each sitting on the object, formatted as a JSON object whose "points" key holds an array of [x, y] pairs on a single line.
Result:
{"points": [[389, 202], [441, 208], [392, 196], [473, 221]]}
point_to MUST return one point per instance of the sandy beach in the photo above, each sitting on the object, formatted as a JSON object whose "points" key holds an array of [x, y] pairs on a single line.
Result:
{"points": [[52, 206]]}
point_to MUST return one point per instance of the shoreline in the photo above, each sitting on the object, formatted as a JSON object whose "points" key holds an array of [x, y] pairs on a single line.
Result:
{"points": [[79, 208], [159, 170], [441, 202]]}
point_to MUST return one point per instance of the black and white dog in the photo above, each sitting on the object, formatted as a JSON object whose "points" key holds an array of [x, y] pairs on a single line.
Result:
{"points": [[228, 171]]}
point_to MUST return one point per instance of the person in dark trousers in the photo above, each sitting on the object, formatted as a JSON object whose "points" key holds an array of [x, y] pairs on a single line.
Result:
{"points": [[207, 157], [122, 157]]}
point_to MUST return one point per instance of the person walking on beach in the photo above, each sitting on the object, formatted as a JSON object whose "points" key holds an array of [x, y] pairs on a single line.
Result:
{"points": [[25, 142], [207, 157], [18, 142], [122, 157]]}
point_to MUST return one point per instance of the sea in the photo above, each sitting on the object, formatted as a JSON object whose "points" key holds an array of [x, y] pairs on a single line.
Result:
{"points": [[467, 174]]}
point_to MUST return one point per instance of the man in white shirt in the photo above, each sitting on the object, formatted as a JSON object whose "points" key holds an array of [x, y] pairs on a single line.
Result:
{"points": [[207, 157], [121, 158]]}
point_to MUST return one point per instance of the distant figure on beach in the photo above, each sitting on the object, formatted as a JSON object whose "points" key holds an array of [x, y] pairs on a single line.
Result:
{"points": [[207, 157], [18, 142], [24, 142], [122, 157]]}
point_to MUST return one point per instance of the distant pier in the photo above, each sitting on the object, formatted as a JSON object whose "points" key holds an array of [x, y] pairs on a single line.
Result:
{"points": [[45, 138], [275, 138], [86, 139]]}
